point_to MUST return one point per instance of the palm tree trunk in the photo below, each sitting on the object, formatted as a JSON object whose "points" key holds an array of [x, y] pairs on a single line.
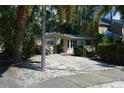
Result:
{"points": [[18, 45], [43, 37]]}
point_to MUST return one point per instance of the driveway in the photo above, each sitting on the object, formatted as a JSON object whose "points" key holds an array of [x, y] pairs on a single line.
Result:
{"points": [[56, 66], [67, 62]]}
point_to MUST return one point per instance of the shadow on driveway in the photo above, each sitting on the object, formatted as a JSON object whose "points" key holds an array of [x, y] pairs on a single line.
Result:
{"points": [[30, 65], [4, 66], [103, 63], [106, 65]]}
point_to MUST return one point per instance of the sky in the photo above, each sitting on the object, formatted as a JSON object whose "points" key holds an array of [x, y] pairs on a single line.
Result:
{"points": [[117, 16]]}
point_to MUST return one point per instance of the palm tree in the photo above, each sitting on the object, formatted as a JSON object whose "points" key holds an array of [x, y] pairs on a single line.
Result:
{"points": [[18, 44], [69, 13], [61, 13], [65, 14]]}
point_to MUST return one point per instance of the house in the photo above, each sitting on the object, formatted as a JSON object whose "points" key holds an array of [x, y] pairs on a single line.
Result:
{"points": [[103, 27], [68, 41], [116, 27]]}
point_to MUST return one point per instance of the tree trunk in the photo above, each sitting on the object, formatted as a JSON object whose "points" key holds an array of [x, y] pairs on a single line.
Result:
{"points": [[111, 19], [111, 16], [43, 37], [21, 18]]}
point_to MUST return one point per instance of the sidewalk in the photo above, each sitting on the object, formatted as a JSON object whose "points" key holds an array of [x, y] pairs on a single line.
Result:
{"points": [[83, 80]]}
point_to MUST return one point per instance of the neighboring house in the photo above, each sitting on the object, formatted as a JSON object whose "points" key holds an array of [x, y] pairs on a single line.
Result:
{"points": [[103, 27], [117, 26], [68, 41]]}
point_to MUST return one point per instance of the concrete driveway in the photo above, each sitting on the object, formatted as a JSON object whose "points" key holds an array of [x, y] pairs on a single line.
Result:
{"points": [[59, 72], [67, 62]]}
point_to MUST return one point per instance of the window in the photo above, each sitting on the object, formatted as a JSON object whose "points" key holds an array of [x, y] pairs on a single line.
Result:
{"points": [[88, 42], [50, 42], [74, 42]]}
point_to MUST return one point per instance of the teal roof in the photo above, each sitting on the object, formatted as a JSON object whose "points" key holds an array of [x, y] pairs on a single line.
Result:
{"points": [[68, 35]]}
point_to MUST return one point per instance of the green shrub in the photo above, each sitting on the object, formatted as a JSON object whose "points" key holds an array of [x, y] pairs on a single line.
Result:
{"points": [[91, 54], [105, 51], [58, 48], [107, 39], [111, 52], [80, 51], [120, 53], [28, 48]]}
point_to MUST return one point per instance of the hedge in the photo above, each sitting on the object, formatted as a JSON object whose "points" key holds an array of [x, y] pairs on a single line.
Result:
{"points": [[111, 52]]}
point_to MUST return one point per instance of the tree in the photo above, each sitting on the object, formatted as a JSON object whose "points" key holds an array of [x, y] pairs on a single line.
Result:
{"points": [[18, 45], [69, 13], [84, 20], [120, 8], [8, 26], [7, 29], [65, 14]]}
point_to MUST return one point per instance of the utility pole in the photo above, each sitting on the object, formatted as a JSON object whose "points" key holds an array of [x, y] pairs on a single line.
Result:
{"points": [[43, 37]]}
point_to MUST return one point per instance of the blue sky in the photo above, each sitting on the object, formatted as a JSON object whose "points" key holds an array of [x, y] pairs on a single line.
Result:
{"points": [[117, 16]]}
